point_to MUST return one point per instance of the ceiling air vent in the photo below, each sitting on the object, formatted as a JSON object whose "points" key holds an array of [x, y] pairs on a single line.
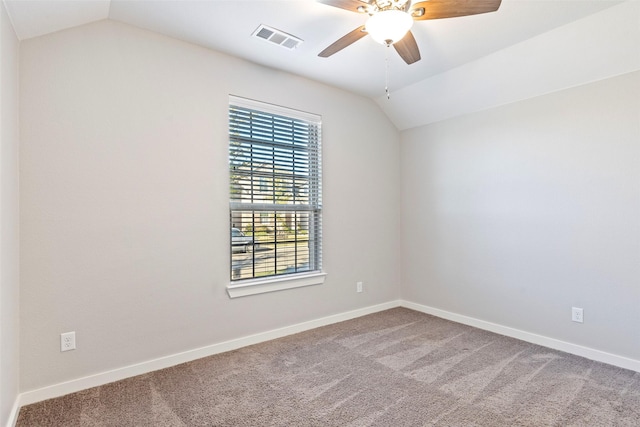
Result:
{"points": [[277, 37]]}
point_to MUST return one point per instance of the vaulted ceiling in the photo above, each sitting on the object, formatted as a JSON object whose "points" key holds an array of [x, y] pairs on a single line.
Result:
{"points": [[447, 45]]}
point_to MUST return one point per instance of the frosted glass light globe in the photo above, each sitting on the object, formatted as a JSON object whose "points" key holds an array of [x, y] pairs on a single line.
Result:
{"points": [[389, 26]]}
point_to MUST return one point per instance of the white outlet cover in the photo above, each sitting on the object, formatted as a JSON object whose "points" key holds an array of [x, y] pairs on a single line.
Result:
{"points": [[577, 314], [68, 341]]}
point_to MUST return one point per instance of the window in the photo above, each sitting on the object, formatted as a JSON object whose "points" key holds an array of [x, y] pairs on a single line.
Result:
{"points": [[275, 191]]}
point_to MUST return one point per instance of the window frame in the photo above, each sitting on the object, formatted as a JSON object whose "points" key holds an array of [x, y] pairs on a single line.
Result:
{"points": [[279, 281]]}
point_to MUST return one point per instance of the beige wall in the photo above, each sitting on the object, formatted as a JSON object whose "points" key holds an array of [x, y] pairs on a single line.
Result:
{"points": [[516, 214], [124, 194], [9, 219]]}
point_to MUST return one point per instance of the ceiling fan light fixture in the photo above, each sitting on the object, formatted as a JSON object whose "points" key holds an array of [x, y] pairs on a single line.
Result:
{"points": [[389, 26]]}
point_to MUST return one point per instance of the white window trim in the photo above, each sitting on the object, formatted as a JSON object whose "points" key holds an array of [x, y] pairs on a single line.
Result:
{"points": [[275, 109], [257, 286], [273, 284]]}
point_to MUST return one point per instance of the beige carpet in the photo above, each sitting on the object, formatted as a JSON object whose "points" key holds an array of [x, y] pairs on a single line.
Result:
{"points": [[394, 368]]}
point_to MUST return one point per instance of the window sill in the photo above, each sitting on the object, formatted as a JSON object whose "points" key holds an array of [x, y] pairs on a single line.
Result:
{"points": [[273, 284]]}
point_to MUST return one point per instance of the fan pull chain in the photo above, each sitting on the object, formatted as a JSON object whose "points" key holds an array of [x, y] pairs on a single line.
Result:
{"points": [[386, 70]]}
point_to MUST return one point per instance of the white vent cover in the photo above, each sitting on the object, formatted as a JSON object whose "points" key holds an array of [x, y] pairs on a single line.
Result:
{"points": [[277, 37]]}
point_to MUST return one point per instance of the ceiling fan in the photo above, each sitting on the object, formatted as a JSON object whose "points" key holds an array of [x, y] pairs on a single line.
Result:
{"points": [[390, 21]]}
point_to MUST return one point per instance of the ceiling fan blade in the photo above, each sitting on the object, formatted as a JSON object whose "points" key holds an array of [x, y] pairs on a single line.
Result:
{"points": [[436, 9], [343, 42], [352, 5], [407, 48]]}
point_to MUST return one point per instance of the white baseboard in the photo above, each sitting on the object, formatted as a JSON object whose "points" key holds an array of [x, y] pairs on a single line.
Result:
{"points": [[567, 347], [102, 378], [13, 415]]}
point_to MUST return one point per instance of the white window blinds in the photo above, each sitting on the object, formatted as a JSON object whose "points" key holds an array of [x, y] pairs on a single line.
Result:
{"points": [[275, 190]]}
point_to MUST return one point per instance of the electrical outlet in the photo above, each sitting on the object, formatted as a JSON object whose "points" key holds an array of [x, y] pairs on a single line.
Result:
{"points": [[359, 287], [68, 341], [577, 315]]}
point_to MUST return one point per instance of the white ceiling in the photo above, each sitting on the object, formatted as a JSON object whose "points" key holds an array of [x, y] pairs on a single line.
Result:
{"points": [[227, 25]]}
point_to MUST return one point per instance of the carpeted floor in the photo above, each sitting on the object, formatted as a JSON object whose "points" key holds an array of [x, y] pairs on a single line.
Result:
{"points": [[394, 368]]}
